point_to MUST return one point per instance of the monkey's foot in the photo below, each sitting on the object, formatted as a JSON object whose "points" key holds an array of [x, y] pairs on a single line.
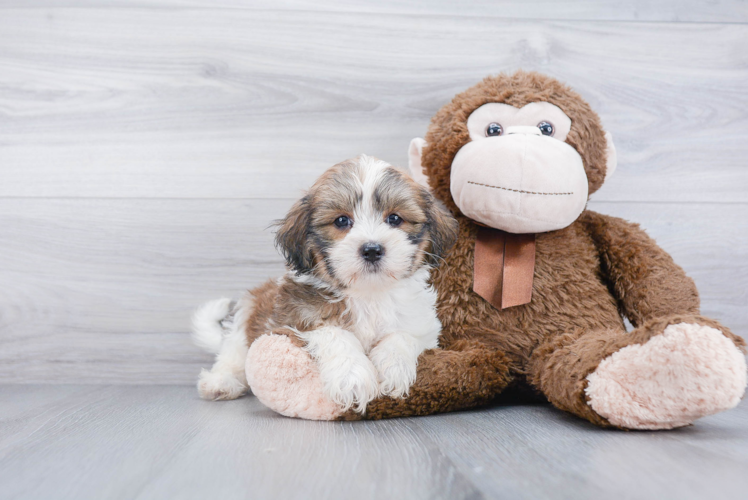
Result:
{"points": [[687, 372], [285, 379]]}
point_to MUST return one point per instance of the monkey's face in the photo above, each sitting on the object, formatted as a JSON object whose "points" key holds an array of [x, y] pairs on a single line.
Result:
{"points": [[516, 173], [518, 152]]}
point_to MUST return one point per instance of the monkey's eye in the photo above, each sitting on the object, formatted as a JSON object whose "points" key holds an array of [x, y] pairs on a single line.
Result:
{"points": [[545, 128], [394, 220], [493, 129], [343, 222]]}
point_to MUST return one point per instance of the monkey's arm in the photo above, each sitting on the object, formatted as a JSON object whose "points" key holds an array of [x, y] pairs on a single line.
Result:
{"points": [[643, 277]]}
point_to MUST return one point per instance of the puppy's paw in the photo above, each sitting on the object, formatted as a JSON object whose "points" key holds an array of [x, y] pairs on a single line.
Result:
{"points": [[395, 360], [351, 383], [348, 377], [395, 380], [396, 373], [215, 386]]}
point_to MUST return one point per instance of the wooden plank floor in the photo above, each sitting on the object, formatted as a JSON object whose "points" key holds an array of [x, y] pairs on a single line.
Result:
{"points": [[82, 442], [123, 442]]}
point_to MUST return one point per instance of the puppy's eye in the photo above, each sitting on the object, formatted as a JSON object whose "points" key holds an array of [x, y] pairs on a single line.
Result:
{"points": [[343, 222], [394, 220], [493, 130], [545, 128]]}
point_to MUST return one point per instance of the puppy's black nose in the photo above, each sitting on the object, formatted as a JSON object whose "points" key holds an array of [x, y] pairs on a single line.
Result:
{"points": [[372, 252]]}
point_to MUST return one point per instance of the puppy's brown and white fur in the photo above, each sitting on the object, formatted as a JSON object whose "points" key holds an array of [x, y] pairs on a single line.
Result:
{"points": [[359, 247]]}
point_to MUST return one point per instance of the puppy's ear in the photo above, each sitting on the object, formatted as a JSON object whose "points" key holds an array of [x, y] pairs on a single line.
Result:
{"points": [[442, 228], [292, 238]]}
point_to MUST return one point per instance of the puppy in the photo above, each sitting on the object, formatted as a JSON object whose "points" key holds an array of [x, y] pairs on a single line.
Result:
{"points": [[359, 249]]}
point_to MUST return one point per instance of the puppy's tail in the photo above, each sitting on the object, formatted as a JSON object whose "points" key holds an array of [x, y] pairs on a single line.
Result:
{"points": [[208, 324]]}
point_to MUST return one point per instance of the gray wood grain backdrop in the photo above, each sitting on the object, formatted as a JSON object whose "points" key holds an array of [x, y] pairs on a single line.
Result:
{"points": [[145, 146]]}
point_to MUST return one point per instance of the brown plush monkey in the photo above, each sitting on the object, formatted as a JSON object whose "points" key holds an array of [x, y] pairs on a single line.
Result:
{"points": [[536, 288]]}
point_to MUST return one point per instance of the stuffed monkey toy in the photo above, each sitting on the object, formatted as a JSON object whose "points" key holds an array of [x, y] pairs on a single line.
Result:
{"points": [[535, 291]]}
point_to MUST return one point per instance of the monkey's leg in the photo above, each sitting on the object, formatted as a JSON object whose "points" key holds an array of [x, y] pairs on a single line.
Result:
{"points": [[465, 376], [285, 378], [665, 374]]}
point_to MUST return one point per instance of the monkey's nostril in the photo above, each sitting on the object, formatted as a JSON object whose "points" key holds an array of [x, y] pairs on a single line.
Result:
{"points": [[372, 252]]}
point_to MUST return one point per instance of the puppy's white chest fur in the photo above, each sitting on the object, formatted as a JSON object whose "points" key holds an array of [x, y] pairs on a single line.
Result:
{"points": [[407, 308]]}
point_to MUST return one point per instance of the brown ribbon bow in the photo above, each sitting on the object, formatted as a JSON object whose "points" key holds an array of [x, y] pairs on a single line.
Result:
{"points": [[504, 266]]}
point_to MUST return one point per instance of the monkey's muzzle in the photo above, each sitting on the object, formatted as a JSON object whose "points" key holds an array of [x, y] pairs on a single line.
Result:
{"points": [[519, 182]]}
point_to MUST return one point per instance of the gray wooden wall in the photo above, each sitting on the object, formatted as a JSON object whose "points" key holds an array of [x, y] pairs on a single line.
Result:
{"points": [[146, 145]]}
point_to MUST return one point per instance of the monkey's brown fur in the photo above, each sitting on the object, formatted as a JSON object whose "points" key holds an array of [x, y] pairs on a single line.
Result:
{"points": [[588, 276]]}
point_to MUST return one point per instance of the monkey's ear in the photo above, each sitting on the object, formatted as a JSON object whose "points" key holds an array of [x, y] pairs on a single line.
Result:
{"points": [[414, 162], [611, 159], [292, 238], [442, 229]]}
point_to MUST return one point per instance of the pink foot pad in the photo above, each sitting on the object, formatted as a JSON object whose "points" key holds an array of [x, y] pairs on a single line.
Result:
{"points": [[688, 372], [286, 380]]}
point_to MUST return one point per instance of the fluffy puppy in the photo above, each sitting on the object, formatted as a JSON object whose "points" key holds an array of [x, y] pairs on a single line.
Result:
{"points": [[359, 247]]}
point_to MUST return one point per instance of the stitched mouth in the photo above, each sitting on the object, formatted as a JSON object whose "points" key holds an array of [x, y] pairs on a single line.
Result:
{"points": [[518, 190]]}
